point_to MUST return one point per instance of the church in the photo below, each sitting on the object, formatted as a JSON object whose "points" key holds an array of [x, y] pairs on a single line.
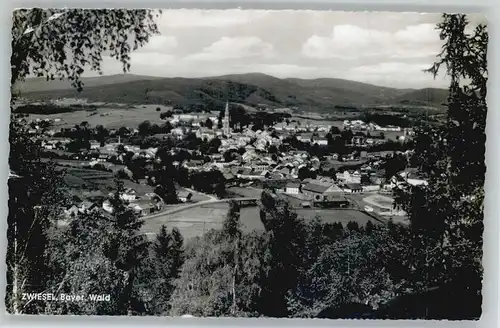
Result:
{"points": [[226, 129], [209, 134]]}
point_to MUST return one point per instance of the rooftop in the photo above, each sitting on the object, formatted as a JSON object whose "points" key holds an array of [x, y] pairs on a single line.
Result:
{"points": [[317, 187]]}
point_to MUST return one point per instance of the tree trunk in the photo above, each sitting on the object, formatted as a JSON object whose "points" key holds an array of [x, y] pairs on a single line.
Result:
{"points": [[235, 272], [16, 308], [233, 307]]}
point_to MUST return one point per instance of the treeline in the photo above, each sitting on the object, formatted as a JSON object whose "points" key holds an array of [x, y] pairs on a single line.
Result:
{"points": [[239, 118], [47, 109]]}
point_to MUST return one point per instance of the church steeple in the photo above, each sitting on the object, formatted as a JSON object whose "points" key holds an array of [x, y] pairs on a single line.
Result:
{"points": [[225, 122]]}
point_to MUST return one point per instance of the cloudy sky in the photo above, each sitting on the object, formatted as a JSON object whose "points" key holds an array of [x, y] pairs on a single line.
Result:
{"points": [[389, 49]]}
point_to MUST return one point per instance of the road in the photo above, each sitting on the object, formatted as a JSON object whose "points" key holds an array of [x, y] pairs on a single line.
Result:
{"points": [[194, 192]]}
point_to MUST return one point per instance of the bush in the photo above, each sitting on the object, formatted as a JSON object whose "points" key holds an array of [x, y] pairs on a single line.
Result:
{"points": [[121, 174]]}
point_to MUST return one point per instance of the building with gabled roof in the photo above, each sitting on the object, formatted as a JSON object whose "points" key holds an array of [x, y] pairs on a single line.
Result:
{"points": [[322, 191]]}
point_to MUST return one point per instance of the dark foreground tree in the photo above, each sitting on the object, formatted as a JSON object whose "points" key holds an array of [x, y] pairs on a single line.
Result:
{"points": [[284, 256], [99, 254], [36, 196], [161, 269], [222, 273], [447, 215], [53, 43]]}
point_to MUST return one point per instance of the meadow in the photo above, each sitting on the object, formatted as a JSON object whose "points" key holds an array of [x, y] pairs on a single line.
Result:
{"points": [[111, 118], [196, 221]]}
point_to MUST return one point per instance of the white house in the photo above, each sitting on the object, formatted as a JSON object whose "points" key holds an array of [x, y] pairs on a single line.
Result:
{"points": [[305, 137], [129, 194], [106, 205], [292, 188], [204, 133], [95, 145], [321, 141]]}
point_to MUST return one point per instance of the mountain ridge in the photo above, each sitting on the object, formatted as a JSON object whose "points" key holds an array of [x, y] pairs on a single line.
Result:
{"points": [[251, 89]]}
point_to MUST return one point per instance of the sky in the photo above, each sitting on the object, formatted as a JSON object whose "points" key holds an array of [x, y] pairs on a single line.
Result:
{"points": [[382, 48]]}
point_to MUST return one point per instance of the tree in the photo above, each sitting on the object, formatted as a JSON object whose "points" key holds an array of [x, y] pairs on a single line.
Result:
{"points": [[365, 179], [167, 191], [101, 133], [346, 135], [205, 286], [214, 144], [229, 155], [161, 270], [75, 256], [120, 149], [232, 229], [305, 173], [36, 198], [219, 119], [286, 235], [166, 127], [272, 149], [165, 177], [446, 216], [123, 131], [166, 114], [126, 247], [108, 250], [394, 165], [138, 168], [144, 128], [64, 47], [351, 270], [209, 124], [36, 195]]}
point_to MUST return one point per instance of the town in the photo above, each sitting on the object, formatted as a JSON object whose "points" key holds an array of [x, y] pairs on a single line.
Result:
{"points": [[247, 163], [338, 170]]}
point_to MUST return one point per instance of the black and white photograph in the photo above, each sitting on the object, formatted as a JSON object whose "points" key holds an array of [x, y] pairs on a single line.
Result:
{"points": [[246, 163]]}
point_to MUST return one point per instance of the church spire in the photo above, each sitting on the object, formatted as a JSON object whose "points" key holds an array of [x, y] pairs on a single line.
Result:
{"points": [[225, 123]]}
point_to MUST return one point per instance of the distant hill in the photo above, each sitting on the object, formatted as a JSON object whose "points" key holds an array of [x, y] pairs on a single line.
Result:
{"points": [[423, 96], [249, 89], [39, 84]]}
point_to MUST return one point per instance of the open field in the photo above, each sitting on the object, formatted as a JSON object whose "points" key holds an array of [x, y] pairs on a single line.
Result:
{"points": [[307, 121], [195, 221], [91, 176], [108, 117], [77, 164], [343, 216], [93, 179], [245, 191], [379, 203]]}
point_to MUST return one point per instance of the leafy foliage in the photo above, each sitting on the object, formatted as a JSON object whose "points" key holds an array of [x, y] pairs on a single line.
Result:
{"points": [[348, 270], [446, 217], [160, 270], [64, 47]]}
